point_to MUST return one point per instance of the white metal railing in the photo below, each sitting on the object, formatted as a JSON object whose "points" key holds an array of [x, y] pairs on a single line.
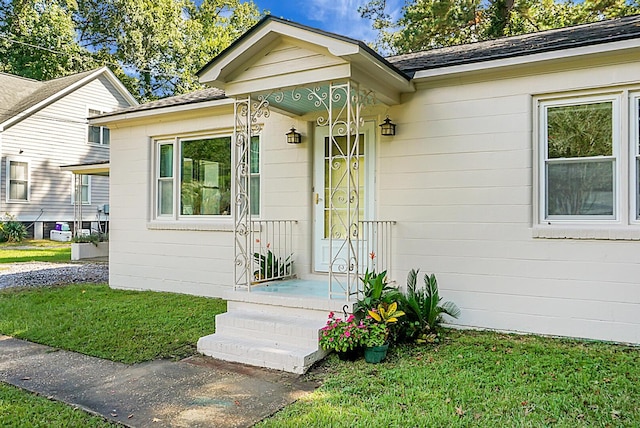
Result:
{"points": [[271, 250], [376, 246]]}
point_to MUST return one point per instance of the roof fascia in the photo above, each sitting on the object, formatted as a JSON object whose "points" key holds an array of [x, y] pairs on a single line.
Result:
{"points": [[159, 111], [88, 169], [120, 87], [526, 59], [42, 104], [214, 74]]}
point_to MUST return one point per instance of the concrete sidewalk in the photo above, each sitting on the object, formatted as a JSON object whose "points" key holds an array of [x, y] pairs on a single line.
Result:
{"points": [[196, 392]]}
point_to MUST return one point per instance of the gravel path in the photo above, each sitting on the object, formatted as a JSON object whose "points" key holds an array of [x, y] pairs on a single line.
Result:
{"points": [[34, 274]]}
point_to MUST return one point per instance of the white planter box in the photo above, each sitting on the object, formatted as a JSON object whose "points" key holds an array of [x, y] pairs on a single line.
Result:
{"points": [[87, 250]]}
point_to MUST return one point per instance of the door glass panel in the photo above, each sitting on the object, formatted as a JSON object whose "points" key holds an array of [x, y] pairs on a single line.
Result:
{"points": [[337, 175]]}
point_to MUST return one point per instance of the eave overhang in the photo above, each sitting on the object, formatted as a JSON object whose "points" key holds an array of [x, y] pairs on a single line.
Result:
{"points": [[631, 46], [96, 168]]}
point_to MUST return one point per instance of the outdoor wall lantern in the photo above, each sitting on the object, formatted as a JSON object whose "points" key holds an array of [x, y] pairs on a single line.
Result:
{"points": [[294, 137], [388, 128]]}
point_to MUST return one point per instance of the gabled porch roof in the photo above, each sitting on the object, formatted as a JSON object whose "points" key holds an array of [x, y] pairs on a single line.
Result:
{"points": [[276, 55]]}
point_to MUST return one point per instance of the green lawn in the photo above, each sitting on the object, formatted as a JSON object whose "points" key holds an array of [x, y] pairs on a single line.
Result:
{"points": [[38, 251], [478, 379], [125, 326], [472, 379], [22, 409]]}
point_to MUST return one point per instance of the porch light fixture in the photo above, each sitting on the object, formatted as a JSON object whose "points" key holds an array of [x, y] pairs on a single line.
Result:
{"points": [[294, 137], [388, 128]]}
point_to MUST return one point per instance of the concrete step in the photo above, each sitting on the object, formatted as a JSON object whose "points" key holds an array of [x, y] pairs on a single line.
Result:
{"points": [[282, 329], [280, 309], [260, 352]]}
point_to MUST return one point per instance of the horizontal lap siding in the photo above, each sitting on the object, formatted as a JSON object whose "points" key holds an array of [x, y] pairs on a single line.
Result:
{"points": [[197, 262], [458, 179], [56, 136]]}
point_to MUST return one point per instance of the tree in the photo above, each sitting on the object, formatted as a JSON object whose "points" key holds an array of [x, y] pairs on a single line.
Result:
{"points": [[427, 24], [162, 43], [154, 46], [27, 24]]}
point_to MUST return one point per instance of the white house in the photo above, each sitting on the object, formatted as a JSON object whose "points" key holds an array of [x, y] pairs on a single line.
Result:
{"points": [[512, 174], [43, 125]]}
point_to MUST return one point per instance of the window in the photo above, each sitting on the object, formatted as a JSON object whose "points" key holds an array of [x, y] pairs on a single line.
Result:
{"points": [[194, 177], [18, 183], [635, 121], [98, 134], [85, 188], [580, 159]]}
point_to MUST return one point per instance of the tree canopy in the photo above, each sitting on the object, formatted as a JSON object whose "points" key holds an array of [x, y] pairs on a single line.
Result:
{"points": [[154, 46], [427, 24]]}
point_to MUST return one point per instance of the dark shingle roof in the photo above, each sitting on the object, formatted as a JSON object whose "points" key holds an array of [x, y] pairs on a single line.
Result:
{"points": [[27, 93], [545, 41], [202, 95], [12, 90]]}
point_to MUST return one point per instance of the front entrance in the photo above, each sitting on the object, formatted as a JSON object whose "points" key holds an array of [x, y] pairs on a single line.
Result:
{"points": [[334, 183]]}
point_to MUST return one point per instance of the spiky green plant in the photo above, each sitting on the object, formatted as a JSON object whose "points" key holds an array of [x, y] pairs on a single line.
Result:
{"points": [[423, 309]]}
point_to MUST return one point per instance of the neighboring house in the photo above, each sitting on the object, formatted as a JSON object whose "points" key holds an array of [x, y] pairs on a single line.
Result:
{"points": [[43, 125], [512, 175]]}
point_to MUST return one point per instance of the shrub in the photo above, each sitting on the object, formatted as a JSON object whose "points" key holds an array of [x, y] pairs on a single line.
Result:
{"points": [[11, 230], [93, 238]]}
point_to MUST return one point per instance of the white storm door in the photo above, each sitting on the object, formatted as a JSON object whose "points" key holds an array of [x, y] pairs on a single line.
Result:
{"points": [[323, 170]]}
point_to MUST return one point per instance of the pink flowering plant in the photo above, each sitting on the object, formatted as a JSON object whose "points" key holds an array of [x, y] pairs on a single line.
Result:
{"points": [[341, 335]]}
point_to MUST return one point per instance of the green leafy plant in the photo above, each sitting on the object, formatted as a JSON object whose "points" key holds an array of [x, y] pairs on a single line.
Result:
{"points": [[11, 230], [423, 308], [376, 290], [270, 266], [342, 335], [93, 238], [377, 323], [376, 334]]}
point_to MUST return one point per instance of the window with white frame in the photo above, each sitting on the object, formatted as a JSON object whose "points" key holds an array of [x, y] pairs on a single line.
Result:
{"points": [[194, 177], [85, 188], [98, 134], [635, 143], [18, 182], [580, 159]]}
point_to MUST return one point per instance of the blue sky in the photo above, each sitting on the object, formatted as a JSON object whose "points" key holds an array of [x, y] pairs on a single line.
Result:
{"points": [[336, 16]]}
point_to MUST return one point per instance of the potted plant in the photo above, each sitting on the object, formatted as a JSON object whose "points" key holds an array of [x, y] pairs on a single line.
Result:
{"points": [[271, 267], [342, 336], [376, 333]]}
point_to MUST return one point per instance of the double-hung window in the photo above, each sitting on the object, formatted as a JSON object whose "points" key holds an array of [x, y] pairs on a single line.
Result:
{"points": [[85, 188], [18, 182], [98, 134], [581, 149], [193, 177]]}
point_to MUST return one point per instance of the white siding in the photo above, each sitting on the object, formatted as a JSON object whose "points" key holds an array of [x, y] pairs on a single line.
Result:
{"points": [[56, 136], [187, 261], [458, 178]]}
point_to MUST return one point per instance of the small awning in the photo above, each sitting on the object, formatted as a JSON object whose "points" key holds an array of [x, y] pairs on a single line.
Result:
{"points": [[93, 168]]}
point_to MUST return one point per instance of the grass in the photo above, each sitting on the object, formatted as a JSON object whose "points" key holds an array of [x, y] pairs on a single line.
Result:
{"points": [[124, 326], [22, 409], [38, 251], [473, 379], [478, 379]]}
